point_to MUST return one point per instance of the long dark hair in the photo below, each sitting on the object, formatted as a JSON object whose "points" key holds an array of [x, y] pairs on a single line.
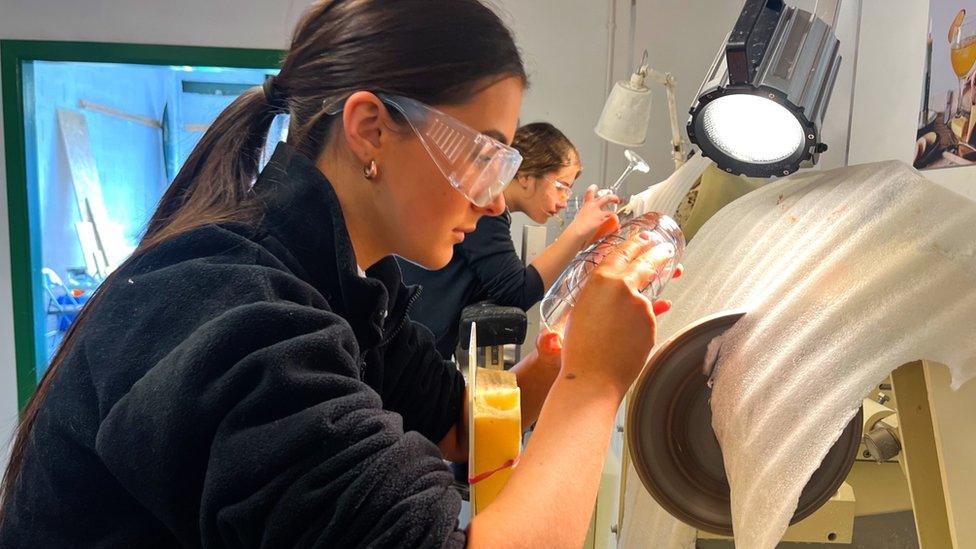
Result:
{"points": [[434, 51]]}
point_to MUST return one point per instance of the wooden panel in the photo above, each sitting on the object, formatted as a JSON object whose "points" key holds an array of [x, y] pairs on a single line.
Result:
{"points": [[955, 435], [88, 191], [920, 457]]}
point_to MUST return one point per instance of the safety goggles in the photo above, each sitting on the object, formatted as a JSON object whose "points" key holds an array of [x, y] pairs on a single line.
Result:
{"points": [[478, 166], [564, 190]]}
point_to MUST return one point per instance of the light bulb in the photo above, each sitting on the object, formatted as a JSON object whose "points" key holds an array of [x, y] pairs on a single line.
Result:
{"points": [[752, 129]]}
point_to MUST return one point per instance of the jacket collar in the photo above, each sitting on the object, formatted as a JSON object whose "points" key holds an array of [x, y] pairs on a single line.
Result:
{"points": [[302, 212]]}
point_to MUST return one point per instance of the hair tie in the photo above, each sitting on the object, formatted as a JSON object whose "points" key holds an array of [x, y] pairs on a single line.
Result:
{"points": [[274, 97]]}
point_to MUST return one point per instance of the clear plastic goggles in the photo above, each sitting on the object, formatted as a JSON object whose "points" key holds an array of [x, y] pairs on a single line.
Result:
{"points": [[564, 190], [478, 166]]}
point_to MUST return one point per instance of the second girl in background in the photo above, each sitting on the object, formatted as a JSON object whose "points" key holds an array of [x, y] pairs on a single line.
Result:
{"points": [[485, 266]]}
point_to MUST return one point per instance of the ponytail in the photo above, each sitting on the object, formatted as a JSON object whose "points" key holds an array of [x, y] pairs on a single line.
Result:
{"points": [[210, 188]]}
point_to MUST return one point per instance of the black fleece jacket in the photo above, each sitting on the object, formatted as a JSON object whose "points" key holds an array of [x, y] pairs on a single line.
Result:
{"points": [[243, 386]]}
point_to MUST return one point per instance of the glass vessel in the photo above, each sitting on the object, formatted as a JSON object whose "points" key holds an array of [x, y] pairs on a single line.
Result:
{"points": [[963, 56], [561, 298]]}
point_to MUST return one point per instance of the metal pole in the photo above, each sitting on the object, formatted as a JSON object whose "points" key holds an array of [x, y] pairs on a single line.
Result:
{"points": [[632, 37], [611, 42]]}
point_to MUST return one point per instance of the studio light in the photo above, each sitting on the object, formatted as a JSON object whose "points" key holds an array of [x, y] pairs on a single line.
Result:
{"points": [[760, 110]]}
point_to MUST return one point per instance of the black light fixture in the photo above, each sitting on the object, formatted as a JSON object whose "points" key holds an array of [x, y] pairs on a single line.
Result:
{"points": [[760, 110]]}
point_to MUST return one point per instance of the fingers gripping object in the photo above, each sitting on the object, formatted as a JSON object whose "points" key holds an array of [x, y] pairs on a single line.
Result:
{"points": [[649, 246], [634, 164]]}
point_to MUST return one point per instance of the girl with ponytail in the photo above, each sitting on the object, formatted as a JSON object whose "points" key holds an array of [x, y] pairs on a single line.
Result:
{"points": [[251, 377]]}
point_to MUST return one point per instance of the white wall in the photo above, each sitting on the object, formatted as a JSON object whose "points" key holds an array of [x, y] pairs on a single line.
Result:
{"points": [[564, 45], [888, 94], [682, 38]]}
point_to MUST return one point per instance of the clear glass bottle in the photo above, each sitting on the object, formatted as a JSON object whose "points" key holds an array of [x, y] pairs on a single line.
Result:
{"points": [[561, 297]]}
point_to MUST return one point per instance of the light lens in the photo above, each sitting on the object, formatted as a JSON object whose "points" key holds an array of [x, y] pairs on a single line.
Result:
{"points": [[752, 129]]}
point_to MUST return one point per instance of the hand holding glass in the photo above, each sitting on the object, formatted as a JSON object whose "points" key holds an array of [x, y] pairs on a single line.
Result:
{"points": [[669, 246]]}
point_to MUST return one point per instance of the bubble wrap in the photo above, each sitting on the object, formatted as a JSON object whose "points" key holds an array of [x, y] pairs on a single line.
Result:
{"points": [[645, 523], [846, 275]]}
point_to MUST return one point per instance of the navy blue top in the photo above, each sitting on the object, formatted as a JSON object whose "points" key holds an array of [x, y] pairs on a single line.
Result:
{"points": [[485, 267]]}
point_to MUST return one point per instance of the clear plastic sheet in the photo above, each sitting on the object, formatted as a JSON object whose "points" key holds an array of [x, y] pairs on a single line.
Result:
{"points": [[846, 274]]}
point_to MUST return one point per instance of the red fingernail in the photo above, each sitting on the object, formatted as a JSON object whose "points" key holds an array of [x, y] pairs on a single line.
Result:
{"points": [[553, 346], [644, 235]]}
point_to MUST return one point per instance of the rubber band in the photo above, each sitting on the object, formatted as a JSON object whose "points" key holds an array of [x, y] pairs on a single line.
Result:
{"points": [[478, 478]]}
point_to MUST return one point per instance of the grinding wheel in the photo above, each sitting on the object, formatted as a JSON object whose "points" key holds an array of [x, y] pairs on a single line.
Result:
{"points": [[673, 446]]}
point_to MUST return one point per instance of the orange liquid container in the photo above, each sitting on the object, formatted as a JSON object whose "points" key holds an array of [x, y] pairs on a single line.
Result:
{"points": [[963, 56], [497, 434], [561, 298]]}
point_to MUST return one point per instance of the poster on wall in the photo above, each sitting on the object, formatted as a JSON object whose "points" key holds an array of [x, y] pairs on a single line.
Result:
{"points": [[947, 119]]}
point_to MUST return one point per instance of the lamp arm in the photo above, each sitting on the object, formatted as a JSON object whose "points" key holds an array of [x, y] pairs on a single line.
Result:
{"points": [[677, 145], [667, 80]]}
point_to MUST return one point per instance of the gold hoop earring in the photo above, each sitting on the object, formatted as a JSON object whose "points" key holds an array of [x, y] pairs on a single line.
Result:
{"points": [[370, 170]]}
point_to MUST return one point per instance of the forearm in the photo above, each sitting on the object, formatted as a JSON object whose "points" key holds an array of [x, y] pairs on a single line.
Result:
{"points": [[551, 262], [559, 473], [534, 380], [454, 445]]}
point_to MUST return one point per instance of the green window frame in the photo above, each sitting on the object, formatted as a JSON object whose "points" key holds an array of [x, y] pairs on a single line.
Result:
{"points": [[22, 204]]}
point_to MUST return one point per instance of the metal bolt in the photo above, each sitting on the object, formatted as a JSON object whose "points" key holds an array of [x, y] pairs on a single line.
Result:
{"points": [[772, 96], [883, 398], [882, 442], [786, 172], [810, 136]]}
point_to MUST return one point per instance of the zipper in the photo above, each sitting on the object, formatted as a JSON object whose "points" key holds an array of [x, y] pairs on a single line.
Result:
{"points": [[406, 317], [403, 322]]}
